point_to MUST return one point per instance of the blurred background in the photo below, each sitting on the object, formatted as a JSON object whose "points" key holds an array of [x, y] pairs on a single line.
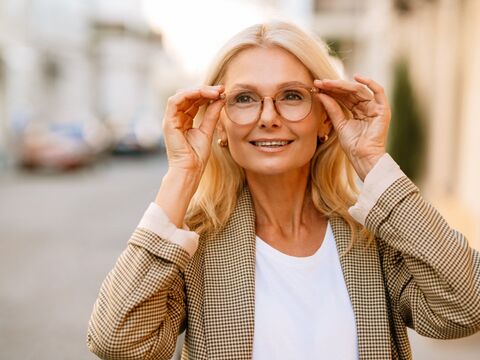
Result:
{"points": [[83, 85]]}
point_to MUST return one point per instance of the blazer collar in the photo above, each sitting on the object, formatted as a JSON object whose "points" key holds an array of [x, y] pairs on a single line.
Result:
{"points": [[364, 280], [229, 284]]}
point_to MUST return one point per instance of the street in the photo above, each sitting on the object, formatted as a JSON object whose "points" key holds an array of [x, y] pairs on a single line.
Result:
{"points": [[60, 235]]}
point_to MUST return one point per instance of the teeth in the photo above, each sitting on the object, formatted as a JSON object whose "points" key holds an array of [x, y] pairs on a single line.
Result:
{"points": [[270, 143]]}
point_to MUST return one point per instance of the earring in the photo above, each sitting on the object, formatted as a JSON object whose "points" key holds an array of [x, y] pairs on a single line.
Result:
{"points": [[324, 138], [222, 143]]}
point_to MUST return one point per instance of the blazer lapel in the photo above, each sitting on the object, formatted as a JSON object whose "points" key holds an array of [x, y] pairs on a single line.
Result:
{"points": [[229, 283], [363, 277]]}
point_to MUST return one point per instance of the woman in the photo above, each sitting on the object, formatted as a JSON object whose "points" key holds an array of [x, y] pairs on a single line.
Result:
{"points": [[284, 260]]}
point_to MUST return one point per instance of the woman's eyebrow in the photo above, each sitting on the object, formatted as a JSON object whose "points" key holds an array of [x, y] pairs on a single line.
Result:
{"points": [[279, 86]]}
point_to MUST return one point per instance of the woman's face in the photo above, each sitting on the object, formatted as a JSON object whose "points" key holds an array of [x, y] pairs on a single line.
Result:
{"points": [[266, 71]]}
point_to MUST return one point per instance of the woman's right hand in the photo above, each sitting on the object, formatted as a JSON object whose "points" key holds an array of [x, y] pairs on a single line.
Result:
{"points": [[188, 148]]}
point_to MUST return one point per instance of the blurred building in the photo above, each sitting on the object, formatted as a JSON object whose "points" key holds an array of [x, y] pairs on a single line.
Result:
{"points": [[45, 72], [436, 38], [439, 38], [78, 79], [3, 115], [130, 90]]}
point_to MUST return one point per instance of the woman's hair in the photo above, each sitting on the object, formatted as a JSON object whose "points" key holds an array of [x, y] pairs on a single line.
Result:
{"points": [[332, 178]]}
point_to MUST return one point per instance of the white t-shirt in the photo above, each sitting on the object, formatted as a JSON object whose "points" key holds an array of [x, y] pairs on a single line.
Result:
{"points": [[302, 307]]}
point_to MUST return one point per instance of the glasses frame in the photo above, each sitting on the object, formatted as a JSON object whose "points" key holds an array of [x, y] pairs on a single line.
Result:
{"points": [[311, 89]]}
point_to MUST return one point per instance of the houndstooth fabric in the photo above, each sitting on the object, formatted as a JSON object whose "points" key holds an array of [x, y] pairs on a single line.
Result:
{"points": [[419, 273]]}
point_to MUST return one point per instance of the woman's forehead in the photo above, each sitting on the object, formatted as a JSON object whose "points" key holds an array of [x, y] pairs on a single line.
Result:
{"points": [[269, 67], [277, 86]]}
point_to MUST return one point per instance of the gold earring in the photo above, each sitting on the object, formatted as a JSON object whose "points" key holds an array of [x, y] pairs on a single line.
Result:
{"points": [[222, 143], [324, 138]]}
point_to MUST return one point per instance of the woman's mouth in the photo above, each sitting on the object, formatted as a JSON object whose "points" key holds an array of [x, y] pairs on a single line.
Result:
{"points": [[271, 146], [271, 143]]}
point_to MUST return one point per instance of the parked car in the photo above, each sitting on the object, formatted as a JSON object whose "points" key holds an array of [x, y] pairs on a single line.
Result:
{"points": [[62, 146]]}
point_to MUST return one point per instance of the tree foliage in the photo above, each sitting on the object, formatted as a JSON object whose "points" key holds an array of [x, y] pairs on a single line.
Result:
{"points": [[407, 135]]}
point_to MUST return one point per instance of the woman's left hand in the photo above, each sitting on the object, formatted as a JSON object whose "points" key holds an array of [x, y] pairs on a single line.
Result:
{"points": [[363, 136]]}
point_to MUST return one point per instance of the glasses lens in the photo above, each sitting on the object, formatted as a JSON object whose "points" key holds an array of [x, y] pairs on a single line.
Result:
{"points": [[294, 104], [243, 108]]}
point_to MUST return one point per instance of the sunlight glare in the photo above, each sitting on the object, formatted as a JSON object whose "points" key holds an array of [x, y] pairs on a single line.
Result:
{"points": [[194, 31]]}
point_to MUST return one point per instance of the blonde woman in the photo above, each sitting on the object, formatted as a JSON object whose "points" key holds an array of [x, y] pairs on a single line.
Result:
{"points": [[258, 243]]}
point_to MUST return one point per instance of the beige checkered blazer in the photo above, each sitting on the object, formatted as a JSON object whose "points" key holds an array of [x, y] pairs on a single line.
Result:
{"points": [[420, 273]]}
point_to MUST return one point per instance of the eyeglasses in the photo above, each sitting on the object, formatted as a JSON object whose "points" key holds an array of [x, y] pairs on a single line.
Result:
{"points": [[245, 106]]}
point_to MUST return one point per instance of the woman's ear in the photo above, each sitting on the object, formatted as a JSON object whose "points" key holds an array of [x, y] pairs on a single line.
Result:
{"points": [[325, 126], [220, 130]]}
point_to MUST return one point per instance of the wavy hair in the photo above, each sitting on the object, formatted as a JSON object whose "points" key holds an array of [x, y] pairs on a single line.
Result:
{"points": [[332, 178]]}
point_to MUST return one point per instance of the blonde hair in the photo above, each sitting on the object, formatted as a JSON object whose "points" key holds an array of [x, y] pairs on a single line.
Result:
{"points": [[332, 178]]}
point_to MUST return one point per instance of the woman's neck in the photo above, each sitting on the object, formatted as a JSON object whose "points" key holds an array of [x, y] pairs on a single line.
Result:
{"points": [[282, 201]]}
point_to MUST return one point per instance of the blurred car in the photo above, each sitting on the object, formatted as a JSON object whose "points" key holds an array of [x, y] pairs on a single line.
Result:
{"points": [[140, 135], [63, 146]]}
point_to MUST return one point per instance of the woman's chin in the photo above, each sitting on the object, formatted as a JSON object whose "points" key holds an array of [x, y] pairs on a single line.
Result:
{"points": [[275, 168]]}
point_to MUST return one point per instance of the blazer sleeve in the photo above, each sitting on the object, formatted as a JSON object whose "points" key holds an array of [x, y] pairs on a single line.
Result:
{"points": [[431, 273], [141, 308]]}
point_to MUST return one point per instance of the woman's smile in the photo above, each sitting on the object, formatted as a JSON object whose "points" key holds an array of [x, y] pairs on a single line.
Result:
{"points": [[271, 145]]}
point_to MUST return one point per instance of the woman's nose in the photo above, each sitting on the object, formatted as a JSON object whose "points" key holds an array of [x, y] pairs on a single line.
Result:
{"points": [[268, 114]]}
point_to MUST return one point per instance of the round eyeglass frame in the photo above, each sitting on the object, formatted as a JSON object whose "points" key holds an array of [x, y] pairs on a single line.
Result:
{"points": [[311, 90]]}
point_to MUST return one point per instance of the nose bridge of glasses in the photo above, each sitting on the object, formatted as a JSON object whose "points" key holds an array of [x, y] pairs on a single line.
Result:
{"points": [[262, 105]]}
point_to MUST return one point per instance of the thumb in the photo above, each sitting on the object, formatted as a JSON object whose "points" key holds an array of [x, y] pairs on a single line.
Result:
{"points": [[334, 111], [211, 116]]}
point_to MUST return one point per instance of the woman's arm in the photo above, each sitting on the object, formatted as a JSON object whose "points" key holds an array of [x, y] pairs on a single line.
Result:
{"points": [[432, 274], [141, 308]]}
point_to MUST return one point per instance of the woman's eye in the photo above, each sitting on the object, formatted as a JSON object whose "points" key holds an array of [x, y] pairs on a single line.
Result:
{"points": [[244, 98], [291, 96]]}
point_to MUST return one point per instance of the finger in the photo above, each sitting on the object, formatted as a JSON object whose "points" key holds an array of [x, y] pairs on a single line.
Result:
{"points": [[346, 98], [211, 116], [188, 123], [175, 116], [378, 91], [333, 109], [190, 98], [349, 100], [184, 99], [354, 91], [192, 111], [361, 109], [343, 87]]}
